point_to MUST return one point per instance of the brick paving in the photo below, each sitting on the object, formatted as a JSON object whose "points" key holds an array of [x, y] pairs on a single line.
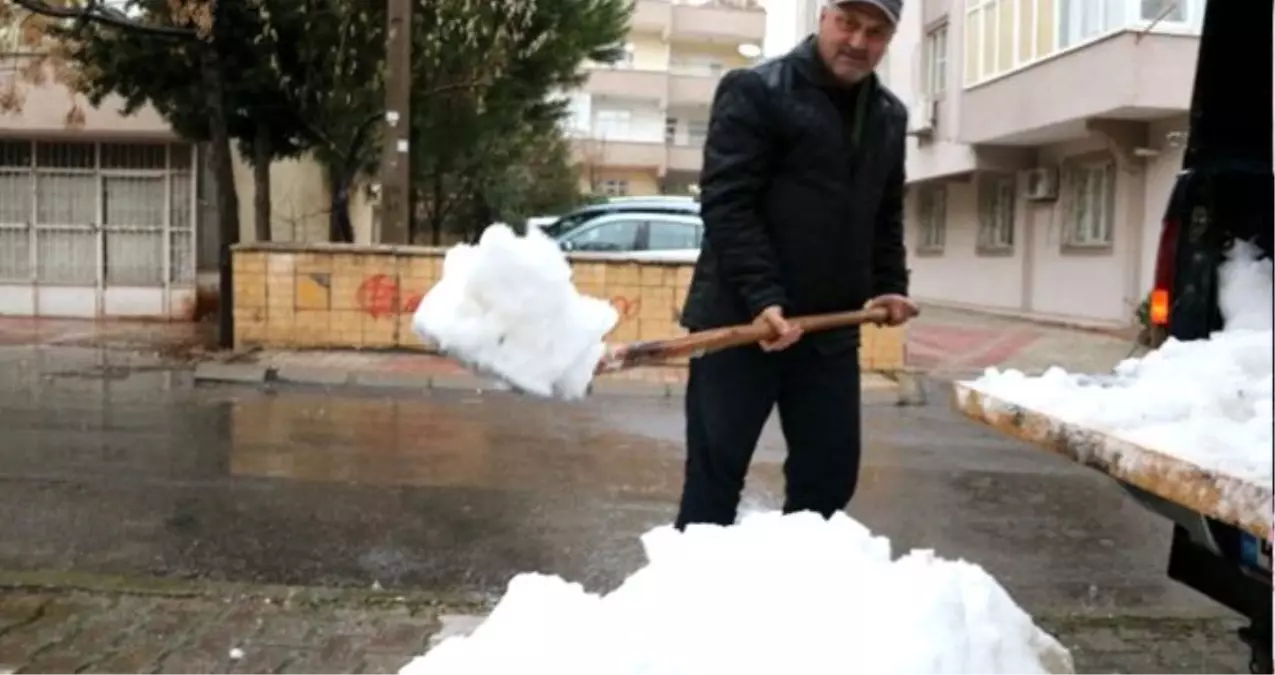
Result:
{"points": [[954, 343], [50, 630]]}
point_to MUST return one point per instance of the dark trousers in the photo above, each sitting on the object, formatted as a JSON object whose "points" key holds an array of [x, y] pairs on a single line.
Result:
{"points": [[730, 395]]}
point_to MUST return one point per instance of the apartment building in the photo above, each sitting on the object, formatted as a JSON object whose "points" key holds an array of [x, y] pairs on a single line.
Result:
{"points": [[1044, 140], [108, 215], [638, 126]]}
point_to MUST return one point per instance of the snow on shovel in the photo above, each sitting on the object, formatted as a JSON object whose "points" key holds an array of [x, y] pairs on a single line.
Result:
{"points": [[506, 308]]}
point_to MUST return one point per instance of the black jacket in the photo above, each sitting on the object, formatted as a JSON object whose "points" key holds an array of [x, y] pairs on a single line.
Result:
{"points": [[796, 212]]}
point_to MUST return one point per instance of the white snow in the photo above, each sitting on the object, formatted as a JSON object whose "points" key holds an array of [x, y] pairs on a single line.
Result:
{"points": [[506, 307], [771, 594], [1207, 402]]}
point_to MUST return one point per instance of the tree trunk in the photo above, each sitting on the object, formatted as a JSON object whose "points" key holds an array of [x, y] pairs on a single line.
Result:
{"points": [[340, 229], [227, 198], [436, 212], [261, 152]]}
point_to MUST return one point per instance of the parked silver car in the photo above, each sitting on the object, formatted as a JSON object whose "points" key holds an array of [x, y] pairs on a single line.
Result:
{"points": [[643, 235]]}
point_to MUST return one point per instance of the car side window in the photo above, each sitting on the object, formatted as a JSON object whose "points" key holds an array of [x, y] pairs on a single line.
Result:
{"points": [[617, 235], [672, 235]]}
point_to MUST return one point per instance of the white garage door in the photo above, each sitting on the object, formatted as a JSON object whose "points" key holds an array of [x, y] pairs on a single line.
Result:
{"points": [[97, 229]]}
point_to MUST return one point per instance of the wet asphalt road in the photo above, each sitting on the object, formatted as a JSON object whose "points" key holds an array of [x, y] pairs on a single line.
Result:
{"points": [[113, 467]]}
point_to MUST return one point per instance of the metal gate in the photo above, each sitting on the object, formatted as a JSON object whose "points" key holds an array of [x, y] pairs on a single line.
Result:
{"points": [[97, 229]]}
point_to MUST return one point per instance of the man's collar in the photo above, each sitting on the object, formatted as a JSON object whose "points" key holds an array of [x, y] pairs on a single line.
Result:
{"points": [[811, 66]]}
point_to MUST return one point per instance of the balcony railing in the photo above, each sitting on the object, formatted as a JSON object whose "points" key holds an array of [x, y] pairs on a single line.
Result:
{"points": [[1003, 36], [681, 87], [742, 20]]}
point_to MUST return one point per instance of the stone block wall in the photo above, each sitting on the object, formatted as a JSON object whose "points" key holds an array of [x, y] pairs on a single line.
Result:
{"points": [[332, 296]]}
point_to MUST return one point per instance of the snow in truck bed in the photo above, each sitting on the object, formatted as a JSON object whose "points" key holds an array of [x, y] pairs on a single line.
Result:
{"points": [[1206, 402]]}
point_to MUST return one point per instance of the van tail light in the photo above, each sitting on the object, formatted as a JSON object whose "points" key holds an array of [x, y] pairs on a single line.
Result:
{"points": [[1165, 269]]}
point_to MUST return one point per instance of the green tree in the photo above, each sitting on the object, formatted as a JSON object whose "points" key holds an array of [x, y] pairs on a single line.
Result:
{"points": [[304, 78], [483, 75]]}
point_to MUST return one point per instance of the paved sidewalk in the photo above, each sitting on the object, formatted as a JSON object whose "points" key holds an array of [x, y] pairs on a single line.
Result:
{"points": [[113, 626], [184, 340], [950, 343], [89, 624]]}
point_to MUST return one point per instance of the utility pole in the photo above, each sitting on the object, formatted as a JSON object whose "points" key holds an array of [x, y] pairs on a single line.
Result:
{"points": [[396, 175]]}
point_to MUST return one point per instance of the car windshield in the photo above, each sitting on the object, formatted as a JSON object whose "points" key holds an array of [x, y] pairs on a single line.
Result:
{"points": [[568, 222]]}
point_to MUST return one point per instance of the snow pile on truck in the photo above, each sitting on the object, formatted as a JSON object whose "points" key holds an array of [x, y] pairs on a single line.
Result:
{"points": [[1207, 402], [771, 594]]}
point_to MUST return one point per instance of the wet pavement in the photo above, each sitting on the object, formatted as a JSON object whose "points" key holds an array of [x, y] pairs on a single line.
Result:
{"points": [[116, 464]]}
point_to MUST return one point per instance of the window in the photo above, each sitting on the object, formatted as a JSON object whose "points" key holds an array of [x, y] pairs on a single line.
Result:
{"points": [[989, 38], [670, 130], [936, 61], [612, 187], [1174, 11], [932, 212], [10, 38], [996, 213], [615, 235], [1091, 204], [611, 123], [696, 131], [1080, 20], [672, 235]]}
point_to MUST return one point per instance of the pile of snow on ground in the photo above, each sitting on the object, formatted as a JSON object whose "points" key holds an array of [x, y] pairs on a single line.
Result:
{"points": [[506, 307], [1205, 401], [772, 594]]}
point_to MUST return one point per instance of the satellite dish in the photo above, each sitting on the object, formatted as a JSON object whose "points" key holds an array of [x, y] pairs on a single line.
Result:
{"points": [[749, 51]]}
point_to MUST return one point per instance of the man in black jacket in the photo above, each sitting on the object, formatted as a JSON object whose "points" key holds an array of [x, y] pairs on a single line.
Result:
{"points": [[802, 201]]}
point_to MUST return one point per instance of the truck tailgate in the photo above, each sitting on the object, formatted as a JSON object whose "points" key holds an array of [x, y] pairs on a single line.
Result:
{"points": [[1244, 504]]}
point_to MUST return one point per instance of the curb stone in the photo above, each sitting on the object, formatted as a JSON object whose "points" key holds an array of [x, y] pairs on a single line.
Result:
{"points": [[230, 372], [311, 375], [903, 389], [391, 380]]}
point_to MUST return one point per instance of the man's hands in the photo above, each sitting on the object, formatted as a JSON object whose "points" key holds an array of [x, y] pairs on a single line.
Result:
{"points": [[786, 333], [900, 308]]}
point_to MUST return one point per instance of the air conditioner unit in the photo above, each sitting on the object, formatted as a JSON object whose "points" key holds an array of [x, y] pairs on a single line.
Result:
{"points": [[1040, 184], [922, 116]]}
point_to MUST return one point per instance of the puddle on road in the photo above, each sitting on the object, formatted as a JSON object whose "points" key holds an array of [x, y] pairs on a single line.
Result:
{"points": [[498, 442]]}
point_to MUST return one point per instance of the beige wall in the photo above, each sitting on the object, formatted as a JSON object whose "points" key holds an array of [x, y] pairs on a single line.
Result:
{"points": [[641, 183], [649, 52], [300, 198], [362, 297], [45, 108], [1038, 278]]}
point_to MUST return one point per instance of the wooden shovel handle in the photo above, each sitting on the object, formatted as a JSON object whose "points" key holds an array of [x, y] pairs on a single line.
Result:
{"points": [[696, 344]]}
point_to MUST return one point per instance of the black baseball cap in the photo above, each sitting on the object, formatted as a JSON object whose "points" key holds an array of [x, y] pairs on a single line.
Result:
{"points": [[893, 8]]}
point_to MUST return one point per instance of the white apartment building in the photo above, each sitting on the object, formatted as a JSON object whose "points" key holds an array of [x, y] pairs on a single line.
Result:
{"points": [[639, 125], [1045, 137]]}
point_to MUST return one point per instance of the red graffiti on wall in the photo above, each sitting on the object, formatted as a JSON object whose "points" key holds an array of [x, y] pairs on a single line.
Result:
{"points": [[380, 296], [629, 308]]}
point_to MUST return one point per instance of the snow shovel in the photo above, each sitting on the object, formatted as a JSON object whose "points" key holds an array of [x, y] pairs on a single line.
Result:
{"points": [[655, 352]]}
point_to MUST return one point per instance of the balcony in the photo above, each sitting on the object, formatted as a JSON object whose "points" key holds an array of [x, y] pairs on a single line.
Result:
{"points": [[685, 158], [45, 112], [714, 20], [620, 154], [651, 16], [718, 22], [692, 90], [1049, 101], [628, 83]]}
